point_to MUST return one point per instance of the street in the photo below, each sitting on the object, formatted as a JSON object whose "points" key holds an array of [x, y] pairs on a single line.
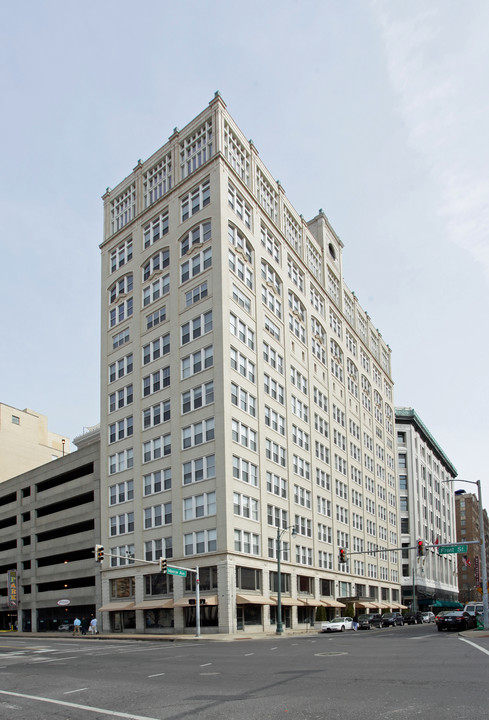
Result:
{"points": [[395, 673]]}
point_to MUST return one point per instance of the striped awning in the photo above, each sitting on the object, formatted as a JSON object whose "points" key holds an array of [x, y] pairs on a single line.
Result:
{"points": [[254, 600], [285, 600], [332, 603], [117, 607], [310, 602], [365, 605]]}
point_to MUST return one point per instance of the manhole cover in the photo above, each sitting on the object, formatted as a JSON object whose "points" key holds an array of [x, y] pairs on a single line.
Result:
{"points": [[329, 654]]}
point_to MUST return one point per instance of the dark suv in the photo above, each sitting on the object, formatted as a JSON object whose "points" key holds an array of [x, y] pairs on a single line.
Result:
{"points": [[390, 619]]}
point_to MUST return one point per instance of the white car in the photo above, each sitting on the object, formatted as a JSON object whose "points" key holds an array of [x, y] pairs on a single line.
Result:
{"points": [[339, 624]]}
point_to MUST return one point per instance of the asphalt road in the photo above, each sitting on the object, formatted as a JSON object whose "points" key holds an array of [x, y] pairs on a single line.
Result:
{"points": [[388, 674]]}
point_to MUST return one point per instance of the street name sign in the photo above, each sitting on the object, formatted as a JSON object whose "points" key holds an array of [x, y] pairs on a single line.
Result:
{"points": [[452, 549], [176, 571]]}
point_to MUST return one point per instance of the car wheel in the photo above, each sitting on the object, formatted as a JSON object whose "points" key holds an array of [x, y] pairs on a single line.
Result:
{"points": [[342, 628]]}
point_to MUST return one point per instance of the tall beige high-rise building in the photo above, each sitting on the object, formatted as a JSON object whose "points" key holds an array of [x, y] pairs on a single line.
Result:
{"points": [[26, 442], [245, 394]]}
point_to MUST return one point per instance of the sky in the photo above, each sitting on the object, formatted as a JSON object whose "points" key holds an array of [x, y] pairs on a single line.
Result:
{"points": [[376, 111]]}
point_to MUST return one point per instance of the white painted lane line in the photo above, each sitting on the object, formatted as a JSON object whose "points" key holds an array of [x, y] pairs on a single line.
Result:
{"points": [[274, 648], [477, 647], [206, 664], [69, 692], [101, 711], [40, 661], [249, 654], [156, 675]]}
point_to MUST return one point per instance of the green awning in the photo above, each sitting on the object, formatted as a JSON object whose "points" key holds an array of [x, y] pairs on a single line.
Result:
{"points": [[448, 604]]}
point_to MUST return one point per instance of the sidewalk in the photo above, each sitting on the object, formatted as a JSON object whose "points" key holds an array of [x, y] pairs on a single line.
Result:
{"points": [[206, 637]]}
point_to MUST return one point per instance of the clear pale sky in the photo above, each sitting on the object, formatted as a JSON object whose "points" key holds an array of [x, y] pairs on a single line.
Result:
{"points": [[375, 111]]}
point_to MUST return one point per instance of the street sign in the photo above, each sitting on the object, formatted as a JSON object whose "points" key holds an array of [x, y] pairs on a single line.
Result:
{"points": [[176, 571], [452, 549]]}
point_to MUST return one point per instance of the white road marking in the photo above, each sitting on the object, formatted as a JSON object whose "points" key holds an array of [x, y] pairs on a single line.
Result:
{"points": [[249, 654], [477, 647], [40, 661], [156, 675], [101, 711], [206, 664], [69, 692]]}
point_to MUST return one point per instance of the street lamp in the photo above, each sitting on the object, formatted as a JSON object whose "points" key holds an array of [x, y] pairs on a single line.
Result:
{"points": [[485, 599], [280, 627]]}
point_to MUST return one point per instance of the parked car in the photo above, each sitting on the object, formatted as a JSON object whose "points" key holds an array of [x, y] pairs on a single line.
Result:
{"points": [[439, 615], [364, 622], [457, 620], [376, 621], [413, 618], [428, 617], [65, 627], [389, 619], [339, 624], [399, 618]]}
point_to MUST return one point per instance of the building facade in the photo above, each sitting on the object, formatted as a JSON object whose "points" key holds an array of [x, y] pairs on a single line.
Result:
{"points": [[49, 519], [244, 393], [26, 442], [468, 529], [427, 513]]}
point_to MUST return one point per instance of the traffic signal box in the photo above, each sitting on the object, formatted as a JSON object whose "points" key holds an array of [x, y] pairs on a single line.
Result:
{"points": [[99, 553], [342, 555], [420, 548], [163, 565]]}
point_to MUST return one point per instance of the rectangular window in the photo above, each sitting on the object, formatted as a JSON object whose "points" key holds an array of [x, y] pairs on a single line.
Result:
{"points": [[199, 469], [200, 542], [195, 200], [197, 361], [156, 349], [200, 325]]}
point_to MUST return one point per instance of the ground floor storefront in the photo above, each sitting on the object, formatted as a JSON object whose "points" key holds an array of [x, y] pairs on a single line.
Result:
{"points": [[47, 619], [233, 597]]}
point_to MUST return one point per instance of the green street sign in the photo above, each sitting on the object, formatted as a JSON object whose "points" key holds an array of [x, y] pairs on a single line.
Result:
{"points": [[452, 549], [176, 571]]}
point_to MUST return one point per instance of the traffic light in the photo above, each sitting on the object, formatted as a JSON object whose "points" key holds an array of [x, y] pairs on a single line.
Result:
{"points": [[342, 555], [420, 548], [99, 553], [163, 565]]}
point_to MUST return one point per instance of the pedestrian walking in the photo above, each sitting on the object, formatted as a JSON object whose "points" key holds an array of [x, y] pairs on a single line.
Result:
{"points": [[355, 622], [84, 626], [93, 626], [77, 626]]}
